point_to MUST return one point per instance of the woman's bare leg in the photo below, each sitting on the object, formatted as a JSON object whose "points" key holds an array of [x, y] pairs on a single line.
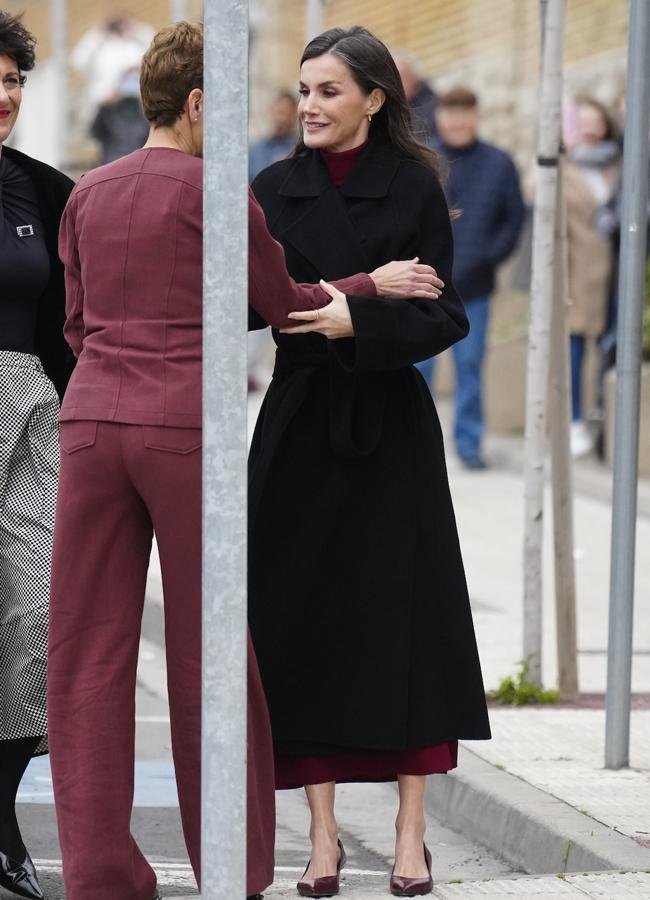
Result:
{"points": [[410, 826], [323, 831]]}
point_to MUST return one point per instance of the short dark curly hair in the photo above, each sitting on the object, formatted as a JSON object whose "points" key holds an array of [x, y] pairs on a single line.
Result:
{"points": [[17, 42]]}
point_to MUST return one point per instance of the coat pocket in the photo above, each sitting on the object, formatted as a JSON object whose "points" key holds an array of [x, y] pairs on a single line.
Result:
{"points": [[172, 440], [76, 434]]}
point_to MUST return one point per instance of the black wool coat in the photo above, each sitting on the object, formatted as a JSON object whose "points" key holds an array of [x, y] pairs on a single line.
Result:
{"points": [[52, 191], [358, 602]]}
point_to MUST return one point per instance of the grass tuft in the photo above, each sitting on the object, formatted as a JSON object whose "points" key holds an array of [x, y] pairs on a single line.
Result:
{"points": [[521, 691]]}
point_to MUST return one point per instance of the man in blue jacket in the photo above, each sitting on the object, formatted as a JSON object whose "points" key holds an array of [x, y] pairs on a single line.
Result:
{"points": [[483, 187]]}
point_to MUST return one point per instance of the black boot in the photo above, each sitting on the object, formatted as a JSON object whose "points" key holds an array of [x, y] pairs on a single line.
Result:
{"points": [[17, 872]]}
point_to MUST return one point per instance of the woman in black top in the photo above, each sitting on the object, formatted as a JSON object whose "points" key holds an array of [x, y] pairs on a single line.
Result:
{"points": [[34, 367], [358, 602]]}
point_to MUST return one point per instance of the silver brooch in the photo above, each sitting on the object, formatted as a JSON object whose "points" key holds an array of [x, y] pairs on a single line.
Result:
{"points": [[25, 230]]}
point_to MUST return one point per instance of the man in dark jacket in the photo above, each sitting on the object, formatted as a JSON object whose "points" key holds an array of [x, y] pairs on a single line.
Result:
{"points": [[281, 139], [120, 125], [483, 187]]}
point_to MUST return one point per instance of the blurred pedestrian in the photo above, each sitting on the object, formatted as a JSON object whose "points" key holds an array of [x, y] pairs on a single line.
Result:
{"points": [[483, 185], [591, 180], [102, 56], [355, 566], [421, 98], [33, 369], [120, 126], [279, 143]]}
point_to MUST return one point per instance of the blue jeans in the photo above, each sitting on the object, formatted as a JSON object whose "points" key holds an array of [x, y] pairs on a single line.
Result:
{"points": [[468, 359], [577, 357]]}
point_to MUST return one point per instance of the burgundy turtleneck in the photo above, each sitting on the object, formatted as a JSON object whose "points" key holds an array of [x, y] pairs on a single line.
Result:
{"points": [[339, 165]]}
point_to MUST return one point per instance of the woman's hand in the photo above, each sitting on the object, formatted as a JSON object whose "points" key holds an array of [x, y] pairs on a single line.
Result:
{"points": [[333, 321], [407, 278]]}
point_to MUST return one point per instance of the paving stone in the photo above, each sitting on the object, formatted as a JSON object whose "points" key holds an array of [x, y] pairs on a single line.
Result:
{"points": [[613, 885], [607, 886], [561, 752], [547, 886]]}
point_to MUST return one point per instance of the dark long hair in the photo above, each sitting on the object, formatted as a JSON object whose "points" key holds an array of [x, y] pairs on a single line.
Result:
{"points": [[372, 66]]}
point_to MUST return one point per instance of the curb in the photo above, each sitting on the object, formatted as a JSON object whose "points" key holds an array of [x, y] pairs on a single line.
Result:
{"points": [[530, 829]]}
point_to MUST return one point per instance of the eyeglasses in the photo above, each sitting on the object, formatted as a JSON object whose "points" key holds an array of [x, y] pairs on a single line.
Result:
{"points": [[13, 83]]}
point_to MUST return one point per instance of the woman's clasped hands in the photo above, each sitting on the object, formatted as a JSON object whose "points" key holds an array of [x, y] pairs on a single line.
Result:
{"points": [[401, 280]]}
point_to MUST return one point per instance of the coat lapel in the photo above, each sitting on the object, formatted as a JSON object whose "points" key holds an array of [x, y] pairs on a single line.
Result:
{"points": [[324, 234], [317, 220]]}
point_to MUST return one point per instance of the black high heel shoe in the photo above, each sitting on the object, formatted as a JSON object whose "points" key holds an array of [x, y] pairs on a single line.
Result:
{"points": [[20, 878]]}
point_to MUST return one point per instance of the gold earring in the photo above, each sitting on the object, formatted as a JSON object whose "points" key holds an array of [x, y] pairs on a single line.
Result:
{"points": [[369, 118]]}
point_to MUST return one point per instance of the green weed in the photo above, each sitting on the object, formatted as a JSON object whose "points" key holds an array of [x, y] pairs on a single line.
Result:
{"points": [[521, 691]]}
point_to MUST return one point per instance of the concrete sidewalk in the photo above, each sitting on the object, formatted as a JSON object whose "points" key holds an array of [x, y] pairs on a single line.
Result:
{"points": [[538, 791]]}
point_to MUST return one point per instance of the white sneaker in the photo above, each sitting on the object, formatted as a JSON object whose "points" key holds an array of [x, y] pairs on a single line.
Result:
{"points": [[582, 442]]}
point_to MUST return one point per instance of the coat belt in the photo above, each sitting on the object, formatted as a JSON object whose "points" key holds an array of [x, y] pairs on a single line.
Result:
{"points": [[356, 401]]}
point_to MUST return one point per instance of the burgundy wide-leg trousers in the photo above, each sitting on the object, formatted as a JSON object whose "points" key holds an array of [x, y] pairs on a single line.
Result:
{"points": [[118, 485]]}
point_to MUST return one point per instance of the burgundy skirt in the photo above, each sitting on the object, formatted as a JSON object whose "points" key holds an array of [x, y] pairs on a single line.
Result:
{"points": [[297, 771]]}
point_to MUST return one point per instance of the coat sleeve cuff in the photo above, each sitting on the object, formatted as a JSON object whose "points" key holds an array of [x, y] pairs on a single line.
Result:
{"points": [[375, 329], [360, 285]]}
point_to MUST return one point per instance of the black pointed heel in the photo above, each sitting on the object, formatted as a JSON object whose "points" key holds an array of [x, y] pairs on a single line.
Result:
{"points": [[20, 877]]}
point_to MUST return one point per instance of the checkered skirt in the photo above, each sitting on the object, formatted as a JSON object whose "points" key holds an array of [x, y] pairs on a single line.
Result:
{"points": [[29, 462]]}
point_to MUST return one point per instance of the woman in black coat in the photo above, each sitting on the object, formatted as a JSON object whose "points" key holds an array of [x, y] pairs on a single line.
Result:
{"points": [[34, 368], [358, 602]]}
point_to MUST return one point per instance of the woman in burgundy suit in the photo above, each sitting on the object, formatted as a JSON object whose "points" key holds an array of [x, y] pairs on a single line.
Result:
{"points": [[131, 242]]}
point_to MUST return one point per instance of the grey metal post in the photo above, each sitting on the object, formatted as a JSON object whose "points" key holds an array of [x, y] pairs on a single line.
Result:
{"points": [[178, 10], [314, 18], [59, 57], [223, 844], [628, 381]]}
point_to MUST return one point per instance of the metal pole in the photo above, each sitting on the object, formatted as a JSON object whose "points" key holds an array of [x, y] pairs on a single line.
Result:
{"points": [[543, 265], [225, 303], [59, 57], [178, 10], [559, 429], [628, 384], [314, 18]]}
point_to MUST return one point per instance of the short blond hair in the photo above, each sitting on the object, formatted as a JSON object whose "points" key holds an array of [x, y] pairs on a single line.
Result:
{"points": [[172, 68]]}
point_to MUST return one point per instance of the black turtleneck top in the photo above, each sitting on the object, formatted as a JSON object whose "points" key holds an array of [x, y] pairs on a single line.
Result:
{"points": [[24, 260]]}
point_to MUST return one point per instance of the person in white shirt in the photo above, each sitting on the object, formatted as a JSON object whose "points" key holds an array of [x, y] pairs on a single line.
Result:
{"points": [[102, 56]]}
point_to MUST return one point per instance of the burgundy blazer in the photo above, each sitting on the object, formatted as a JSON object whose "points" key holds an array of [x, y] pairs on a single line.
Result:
{"points": [[131, 241]]}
